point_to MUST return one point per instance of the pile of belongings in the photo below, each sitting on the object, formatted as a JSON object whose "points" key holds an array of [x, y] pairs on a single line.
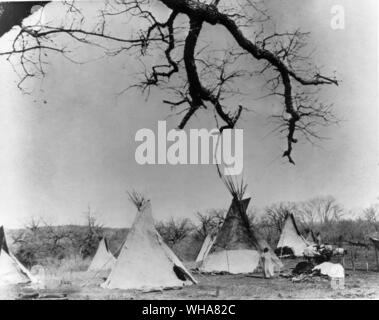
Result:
{"points": [[302, 271], [306, 270], [322, 253], [285, 252], [293, 244], [311, 251], [328, 251], [332, 270], [302, 268]]}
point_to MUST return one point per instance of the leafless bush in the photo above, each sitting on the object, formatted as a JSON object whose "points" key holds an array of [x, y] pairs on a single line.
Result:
{"points": [[210, 222], [39, 240], [275, 214], [371, 215], [174, 230], [94, 232]]}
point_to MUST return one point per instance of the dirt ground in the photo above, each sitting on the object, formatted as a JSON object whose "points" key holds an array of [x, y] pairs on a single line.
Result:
{"points": [[359, 284]]}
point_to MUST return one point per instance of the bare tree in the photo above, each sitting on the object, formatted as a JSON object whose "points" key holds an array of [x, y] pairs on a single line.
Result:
{"points": [[276, 214], [174, 230], [33, 224], [55, 239], [40, 240], [210, 222], [371, 215], [171, 46], [94, 232], [31, 229], [322, 210], [18, 238]]}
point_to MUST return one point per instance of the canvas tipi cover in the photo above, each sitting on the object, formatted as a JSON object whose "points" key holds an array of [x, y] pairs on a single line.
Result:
{"points": [[210, 239], [11, 270], [291, 237], [235, 249], [206, 246], [311, 239], [145, 261], [103, 259]]}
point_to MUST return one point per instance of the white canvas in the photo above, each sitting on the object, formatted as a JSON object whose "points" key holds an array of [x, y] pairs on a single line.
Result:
{"points": [[206, 247], [103, 259], [231, 261], [333, 270], [10, 270], [291, 238], [145, 262]]}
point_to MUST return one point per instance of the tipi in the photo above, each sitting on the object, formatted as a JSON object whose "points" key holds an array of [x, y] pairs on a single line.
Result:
{"points": [[208, 242], [310, 238], [11, 270], [145, 261], [103, 259], [291, 237], [211, 237], [236, 248], [206, 246]]}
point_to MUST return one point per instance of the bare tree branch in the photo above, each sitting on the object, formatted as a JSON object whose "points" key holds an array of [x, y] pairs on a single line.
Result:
{"points": [[198, 77]]}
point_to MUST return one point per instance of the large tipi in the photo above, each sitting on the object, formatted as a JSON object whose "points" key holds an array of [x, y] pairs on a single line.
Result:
{"points": [[145, 261], [211, 238], [236, 248], [290, 237], [103, 259], [11, 270]]}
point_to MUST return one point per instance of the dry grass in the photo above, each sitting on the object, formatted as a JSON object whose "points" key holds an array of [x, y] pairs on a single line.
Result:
{"points": [[71, 278]]}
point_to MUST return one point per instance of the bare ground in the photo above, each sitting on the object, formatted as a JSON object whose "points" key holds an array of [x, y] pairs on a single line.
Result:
{"points": [[359, 285], [79, 285]]}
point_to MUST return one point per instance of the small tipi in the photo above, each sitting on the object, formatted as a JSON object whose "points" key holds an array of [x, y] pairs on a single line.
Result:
{"points": [[311, 238], [103, 259], [290, 237], [206, 246], [236, 248], [145, 261], [11, 270]]}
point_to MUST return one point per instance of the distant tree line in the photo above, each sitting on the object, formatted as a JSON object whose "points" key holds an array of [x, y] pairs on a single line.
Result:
{"points": [[40, 242]]}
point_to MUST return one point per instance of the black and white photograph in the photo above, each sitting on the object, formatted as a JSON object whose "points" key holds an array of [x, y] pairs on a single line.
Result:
{"points": [[189, 150]]}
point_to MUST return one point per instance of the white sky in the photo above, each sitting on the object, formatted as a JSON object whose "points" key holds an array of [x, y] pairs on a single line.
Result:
{"points": [[78, 148]]}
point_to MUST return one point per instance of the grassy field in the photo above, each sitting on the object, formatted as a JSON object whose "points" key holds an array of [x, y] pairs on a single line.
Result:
{"points": [[72, 279], [69, 276]]}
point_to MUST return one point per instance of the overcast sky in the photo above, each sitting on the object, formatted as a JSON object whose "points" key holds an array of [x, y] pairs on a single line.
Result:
{"points": [[71, 144]]}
